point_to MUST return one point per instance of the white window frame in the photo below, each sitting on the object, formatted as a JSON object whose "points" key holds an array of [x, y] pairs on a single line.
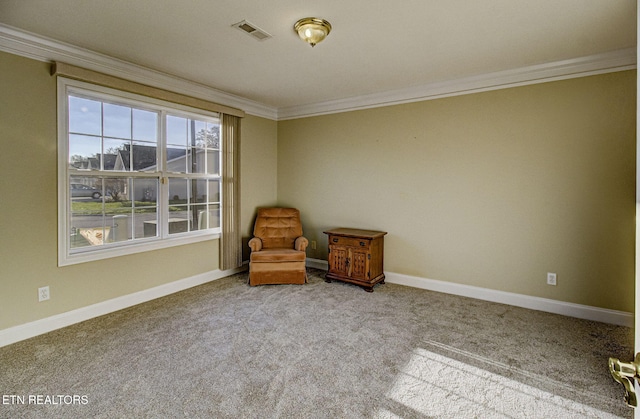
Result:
{"points": [[68, 256]]}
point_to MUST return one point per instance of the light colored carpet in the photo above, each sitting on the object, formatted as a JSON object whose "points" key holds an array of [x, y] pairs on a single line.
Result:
{"points": [[319, 350]]}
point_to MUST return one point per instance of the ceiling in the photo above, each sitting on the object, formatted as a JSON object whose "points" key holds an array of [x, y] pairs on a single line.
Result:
{"points": [[375, 46]]}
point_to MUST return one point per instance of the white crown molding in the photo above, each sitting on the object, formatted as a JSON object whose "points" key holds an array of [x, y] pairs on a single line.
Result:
{"points": [[40, 48], [30, 45], [609, 62]]}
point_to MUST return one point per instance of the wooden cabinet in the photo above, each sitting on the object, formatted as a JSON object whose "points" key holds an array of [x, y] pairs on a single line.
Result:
{"points": [[356, 256]]}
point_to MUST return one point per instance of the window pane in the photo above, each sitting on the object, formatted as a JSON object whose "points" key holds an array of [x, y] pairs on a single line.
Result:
{"points": [[178, 219], [214, 215], [145, 156], [176, 130], [118, 209], [195, 160], [145, 224], [214, 191], [118, 218], [83, 188], [145, 218], [93, 233], [199, 191], [116, 189], [117, 154], [84, 152], [214, 211], [199, 217], [214, 134], [87, 223], [197, 132], [145, 192], [207, 135], [117, 121], [178, 208], [178, 191], [213, 162], [145, 125], [192, 160], [177, 159], [85, 116]]}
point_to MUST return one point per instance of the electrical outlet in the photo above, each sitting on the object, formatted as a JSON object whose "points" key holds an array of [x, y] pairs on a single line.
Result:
{"points": [[552, 278], [43, 293], [313, 244]]}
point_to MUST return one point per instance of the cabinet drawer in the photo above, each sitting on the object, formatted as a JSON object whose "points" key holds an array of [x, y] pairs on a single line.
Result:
{"points": [[348, 241]]}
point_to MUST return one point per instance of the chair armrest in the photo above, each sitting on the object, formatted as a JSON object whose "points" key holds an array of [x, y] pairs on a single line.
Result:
{"points": [[301, 243], [255, 244]]}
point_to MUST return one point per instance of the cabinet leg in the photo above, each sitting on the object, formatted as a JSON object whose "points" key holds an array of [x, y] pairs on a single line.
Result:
{"points": [[368, 289], [327, 280]]}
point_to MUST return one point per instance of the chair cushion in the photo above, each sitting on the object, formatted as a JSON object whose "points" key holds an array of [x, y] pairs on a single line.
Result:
{"points": [[278, 255], [278, 227]]}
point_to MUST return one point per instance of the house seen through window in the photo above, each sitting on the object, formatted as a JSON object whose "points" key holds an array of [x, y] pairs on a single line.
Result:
{"points": [[136, 171]]}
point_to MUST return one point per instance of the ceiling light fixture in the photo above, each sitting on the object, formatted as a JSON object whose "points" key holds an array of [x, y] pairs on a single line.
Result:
{"points": [[312, 29]]}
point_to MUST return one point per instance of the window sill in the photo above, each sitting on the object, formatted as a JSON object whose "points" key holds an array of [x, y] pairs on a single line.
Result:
{"points": [[108, 253]]}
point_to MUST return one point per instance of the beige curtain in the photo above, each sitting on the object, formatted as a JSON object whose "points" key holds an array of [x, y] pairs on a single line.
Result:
{"points": [[231, 242]]}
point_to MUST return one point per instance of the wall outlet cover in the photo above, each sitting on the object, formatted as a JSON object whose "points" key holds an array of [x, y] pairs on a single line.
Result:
{"points": [[43, 294]]}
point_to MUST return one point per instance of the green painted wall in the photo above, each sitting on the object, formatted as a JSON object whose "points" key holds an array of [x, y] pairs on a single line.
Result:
{"points": [[492, 189], [28, 208], [259, 166]]}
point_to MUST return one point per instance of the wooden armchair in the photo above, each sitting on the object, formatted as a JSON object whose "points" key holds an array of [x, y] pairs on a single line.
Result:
{"points": [[277, 248]]}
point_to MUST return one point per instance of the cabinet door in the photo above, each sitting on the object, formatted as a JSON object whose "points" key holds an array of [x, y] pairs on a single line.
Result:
{"points": [[359, 261], [338, 260]]}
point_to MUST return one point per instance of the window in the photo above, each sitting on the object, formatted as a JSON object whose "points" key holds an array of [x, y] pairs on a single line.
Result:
{"points": [[135, 173]]}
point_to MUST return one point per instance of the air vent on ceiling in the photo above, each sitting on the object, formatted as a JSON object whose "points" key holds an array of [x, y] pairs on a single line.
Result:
{"points": [[251, 29]]}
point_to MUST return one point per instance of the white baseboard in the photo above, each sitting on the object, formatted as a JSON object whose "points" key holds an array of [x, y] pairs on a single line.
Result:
{"points": [[620, 318], [580, 311], [317, 263], [38, 327]]}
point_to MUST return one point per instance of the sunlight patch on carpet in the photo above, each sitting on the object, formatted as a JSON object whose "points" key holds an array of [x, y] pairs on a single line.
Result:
{"points": [[435, 385]]}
